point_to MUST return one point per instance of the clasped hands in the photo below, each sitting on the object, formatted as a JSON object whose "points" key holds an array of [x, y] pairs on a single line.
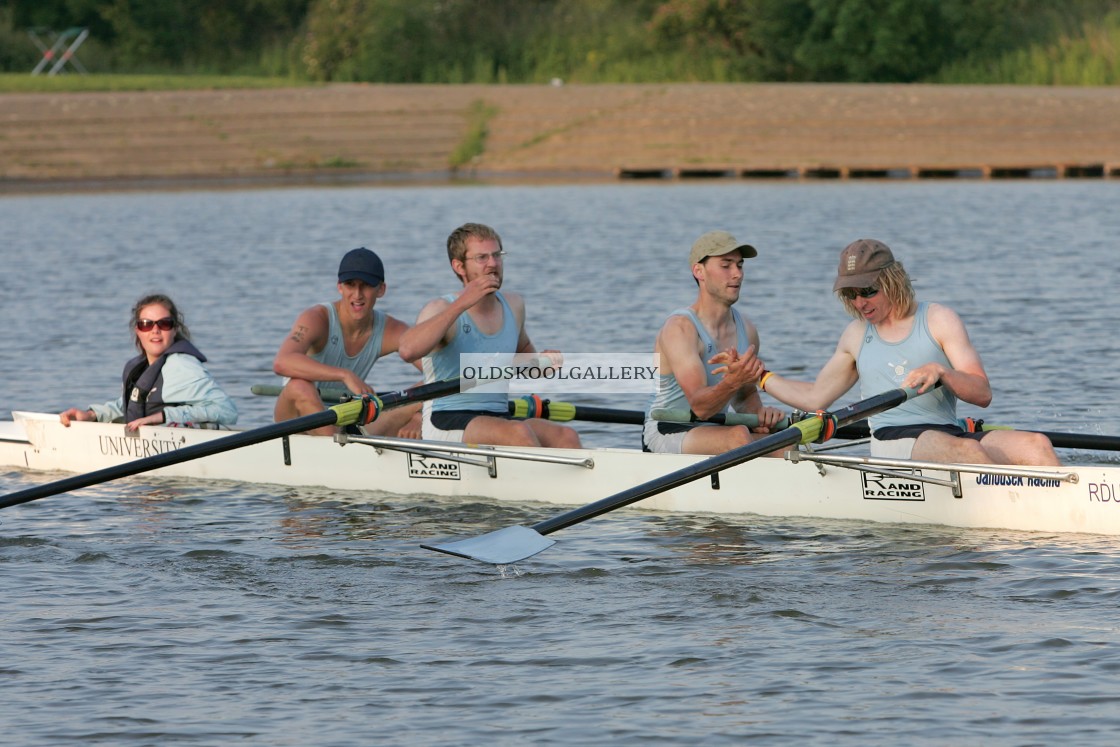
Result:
{"points": [[742, 370], [739, 369]]}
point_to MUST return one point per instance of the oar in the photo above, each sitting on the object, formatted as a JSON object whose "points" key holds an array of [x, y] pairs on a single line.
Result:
{"points": [[355, 412], [1068, 440], [532, 406], [748, 419], [516, 543], [856, 430], [1090, 441], [326, 393]]}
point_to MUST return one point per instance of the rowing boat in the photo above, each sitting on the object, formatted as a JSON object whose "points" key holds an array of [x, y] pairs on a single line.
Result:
{"points": [[834, 483]]}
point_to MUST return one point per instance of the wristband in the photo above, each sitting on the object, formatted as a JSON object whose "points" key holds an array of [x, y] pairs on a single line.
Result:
{"points": [[762, 381]]}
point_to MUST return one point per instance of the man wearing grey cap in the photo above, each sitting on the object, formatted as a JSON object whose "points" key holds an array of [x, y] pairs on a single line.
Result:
{"points": [[708, 357], [897, 341], [339, 342]]}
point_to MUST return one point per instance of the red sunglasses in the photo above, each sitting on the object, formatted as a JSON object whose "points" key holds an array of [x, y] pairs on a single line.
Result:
{"points": [[145, 325]]}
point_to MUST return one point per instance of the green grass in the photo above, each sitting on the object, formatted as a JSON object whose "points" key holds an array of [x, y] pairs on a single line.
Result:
{"points": [[478, 128], [25, 83], [339, 162]]}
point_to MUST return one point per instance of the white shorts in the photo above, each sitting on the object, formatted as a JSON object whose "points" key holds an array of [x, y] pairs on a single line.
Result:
{"points": [[897, 448], [662, 443], [429, 432]]}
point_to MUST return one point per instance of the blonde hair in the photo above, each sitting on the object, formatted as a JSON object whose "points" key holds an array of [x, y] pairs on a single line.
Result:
{"points": [[894, 283]]}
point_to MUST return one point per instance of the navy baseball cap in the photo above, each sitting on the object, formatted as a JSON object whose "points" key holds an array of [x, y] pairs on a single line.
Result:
{"points": [[361, 264]]}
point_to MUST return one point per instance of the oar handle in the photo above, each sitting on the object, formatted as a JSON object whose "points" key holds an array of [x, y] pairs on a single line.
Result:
{"points": [[669, 415], [748, 419], [1091, 441], [326, 393], [560, 412], [532, 406]]}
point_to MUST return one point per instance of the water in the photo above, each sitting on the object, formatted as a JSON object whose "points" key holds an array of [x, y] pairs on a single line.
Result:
{"points": [[155, 611]]}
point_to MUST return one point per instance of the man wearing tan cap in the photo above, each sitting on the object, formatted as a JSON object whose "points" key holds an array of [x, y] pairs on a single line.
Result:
{"points": [[897, 341], [708, 357]]}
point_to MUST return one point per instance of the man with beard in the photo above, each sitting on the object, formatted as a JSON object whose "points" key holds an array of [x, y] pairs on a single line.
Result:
{"points": [[478, 319], [707, 358]]}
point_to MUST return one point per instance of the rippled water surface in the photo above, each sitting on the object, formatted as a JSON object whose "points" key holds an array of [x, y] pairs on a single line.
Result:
{"points": [[157, 611]]}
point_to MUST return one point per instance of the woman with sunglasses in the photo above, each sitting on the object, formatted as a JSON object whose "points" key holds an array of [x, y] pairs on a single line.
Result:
{"points": [[166, 384], [897, 341]]}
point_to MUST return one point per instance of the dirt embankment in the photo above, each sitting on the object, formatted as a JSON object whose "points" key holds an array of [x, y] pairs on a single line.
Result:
{"points": [[378, 132]]}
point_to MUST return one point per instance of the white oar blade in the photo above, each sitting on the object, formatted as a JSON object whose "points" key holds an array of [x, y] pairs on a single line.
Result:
{"points": [[501, 547]]}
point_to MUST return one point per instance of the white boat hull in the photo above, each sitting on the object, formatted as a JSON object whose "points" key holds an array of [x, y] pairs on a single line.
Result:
{"points": [[1069, 499]]}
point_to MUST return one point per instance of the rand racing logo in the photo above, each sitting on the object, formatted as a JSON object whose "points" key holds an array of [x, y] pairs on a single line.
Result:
{"points": [[878, 487], [431, 468]]}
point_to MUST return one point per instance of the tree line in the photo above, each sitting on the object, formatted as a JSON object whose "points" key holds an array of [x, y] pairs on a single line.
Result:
{"points": [[526, 41]]}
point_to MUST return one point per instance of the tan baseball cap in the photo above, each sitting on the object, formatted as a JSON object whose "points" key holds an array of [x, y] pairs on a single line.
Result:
{"points": [[861, 262], [716, 243]]}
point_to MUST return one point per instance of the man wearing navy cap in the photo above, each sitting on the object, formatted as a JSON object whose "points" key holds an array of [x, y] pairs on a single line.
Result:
{"points": [[339, 343]]}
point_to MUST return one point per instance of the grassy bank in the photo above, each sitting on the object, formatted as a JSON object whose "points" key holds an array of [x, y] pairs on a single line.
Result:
{"points": [[25, 83]]}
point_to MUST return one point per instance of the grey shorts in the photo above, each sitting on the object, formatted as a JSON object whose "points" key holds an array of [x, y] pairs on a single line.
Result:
{"points": [[664, 437], [449, 425], [897, 442]]}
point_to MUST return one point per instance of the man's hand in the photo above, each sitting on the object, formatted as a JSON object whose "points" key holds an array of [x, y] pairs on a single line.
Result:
{"points": [[412, 429], [355, 384], [924, 377], [739, 370], [768, 417], [550, 358], [479, 288]]}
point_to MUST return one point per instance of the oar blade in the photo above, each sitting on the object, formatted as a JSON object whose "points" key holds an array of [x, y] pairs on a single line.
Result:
{"points": [[500, 547], [820, 427]]}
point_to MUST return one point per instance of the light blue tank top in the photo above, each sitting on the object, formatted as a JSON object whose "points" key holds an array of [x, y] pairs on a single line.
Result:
{"points": [[334, 352], [443, 364], [669, 393], [883, 366]]}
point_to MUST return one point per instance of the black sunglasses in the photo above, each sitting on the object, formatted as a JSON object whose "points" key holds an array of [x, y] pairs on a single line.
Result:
{"points": [[868, 292], [145, 325]]}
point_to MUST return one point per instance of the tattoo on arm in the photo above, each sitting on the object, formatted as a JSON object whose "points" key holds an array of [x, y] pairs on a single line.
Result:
{"points": [[299, 333]]}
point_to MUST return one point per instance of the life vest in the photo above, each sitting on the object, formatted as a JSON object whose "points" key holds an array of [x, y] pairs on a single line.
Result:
{"points": [[143, 383]]}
